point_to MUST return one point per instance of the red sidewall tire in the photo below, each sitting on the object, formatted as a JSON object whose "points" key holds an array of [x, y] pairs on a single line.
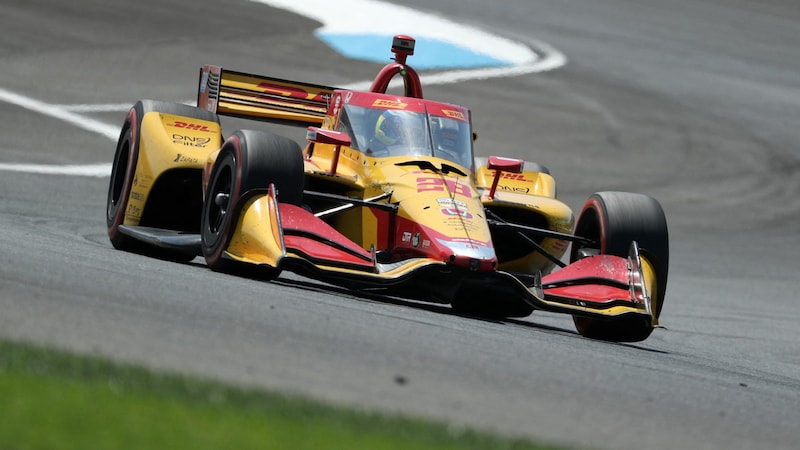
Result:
{"points": [[120, 184], [226, 178], [248, 163], [614, 220]]}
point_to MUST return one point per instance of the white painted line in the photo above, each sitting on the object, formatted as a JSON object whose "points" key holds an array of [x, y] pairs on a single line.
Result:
{"points": [[90, 170], [107, 107], [86, 123], [60, 113], [95, 108]]}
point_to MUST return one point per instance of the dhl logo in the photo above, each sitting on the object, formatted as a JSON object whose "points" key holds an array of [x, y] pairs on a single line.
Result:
{"points": [[513, 176], [292, 91], [383, 103], [190, 126], [454, 114]]}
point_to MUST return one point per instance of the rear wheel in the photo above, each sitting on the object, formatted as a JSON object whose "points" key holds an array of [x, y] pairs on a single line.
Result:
{"points": [[614, 220], [123, 174], [248, 161]]}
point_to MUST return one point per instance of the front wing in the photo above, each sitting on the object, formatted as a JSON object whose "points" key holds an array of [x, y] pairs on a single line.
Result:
{"points": [[291, 238], [601, 286]]}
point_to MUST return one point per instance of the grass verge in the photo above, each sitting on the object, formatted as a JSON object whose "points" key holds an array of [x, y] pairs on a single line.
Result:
{"points": [[55, 400]]}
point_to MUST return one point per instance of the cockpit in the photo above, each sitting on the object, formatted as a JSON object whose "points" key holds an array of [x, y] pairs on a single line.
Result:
{"points": [[396, 132]]}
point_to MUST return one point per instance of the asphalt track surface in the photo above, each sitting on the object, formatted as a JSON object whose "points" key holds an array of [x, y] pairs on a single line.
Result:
{"points": [[694, 102]]}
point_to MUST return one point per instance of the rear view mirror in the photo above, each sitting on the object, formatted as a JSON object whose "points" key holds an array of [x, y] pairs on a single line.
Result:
{"points": [[332, 137], [505, 164], [322, 136], [500, 165]]}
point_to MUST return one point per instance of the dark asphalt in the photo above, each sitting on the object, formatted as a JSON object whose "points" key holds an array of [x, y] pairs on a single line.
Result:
{"points": [[694, 102]]}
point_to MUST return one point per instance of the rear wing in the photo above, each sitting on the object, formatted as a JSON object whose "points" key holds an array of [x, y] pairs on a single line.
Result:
{"points": [[262, 98]]}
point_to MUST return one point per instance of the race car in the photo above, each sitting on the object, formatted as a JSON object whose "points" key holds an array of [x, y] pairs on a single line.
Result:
{"points": [[385, 196]]}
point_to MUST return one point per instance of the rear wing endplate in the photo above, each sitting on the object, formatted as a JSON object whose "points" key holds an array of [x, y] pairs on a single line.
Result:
{"points": [[258, 97]]}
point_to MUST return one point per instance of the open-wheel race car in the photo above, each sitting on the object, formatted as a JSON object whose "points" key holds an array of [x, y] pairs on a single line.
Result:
{"points": [[385, 196]]}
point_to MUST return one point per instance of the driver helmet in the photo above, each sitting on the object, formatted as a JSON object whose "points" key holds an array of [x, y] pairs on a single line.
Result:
{"points": [[388, 128]]}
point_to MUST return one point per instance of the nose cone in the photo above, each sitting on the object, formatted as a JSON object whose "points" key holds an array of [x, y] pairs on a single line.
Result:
{"points": [[440, 217], [468, 253], [448, 230]]}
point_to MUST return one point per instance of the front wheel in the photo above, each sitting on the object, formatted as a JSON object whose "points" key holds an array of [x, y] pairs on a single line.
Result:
{"points": [[614, 220], [119, 186], [248, 161]]}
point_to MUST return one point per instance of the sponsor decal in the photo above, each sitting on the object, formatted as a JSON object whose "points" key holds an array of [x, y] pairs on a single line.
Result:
{"points": [[133, 210], [425, 184], [281, 90], [426, 243], [415, 240], [203, 82], [454, 114], [190, 126], [464, 240], [190, 141], [181, 158], [137, 196], [456, 212], [294, 91], [459, 225], [514, 176], [521, 190], [336, 104], [348, 96], [143, 182], [384, 103], [451, 202], [406, 236]]}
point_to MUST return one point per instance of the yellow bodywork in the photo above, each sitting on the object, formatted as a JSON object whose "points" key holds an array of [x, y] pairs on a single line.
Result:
{"points": [[258, 237], [168, 142], [651, 287], [416, 188], [531, 191], [419, 190]]}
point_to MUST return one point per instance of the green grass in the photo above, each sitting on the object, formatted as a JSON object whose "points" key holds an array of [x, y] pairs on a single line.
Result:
{"points": [[55, 400]]}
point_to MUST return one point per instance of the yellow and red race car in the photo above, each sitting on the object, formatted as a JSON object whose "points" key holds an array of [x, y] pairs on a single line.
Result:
{"points": [[386, 195]]}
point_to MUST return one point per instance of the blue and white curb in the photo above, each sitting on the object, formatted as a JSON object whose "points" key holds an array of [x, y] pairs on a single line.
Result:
{"points": [[363, 29], [458, 52]]}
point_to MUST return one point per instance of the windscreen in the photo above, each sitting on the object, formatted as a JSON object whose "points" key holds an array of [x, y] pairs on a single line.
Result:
{"points": [[385, 132]]}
